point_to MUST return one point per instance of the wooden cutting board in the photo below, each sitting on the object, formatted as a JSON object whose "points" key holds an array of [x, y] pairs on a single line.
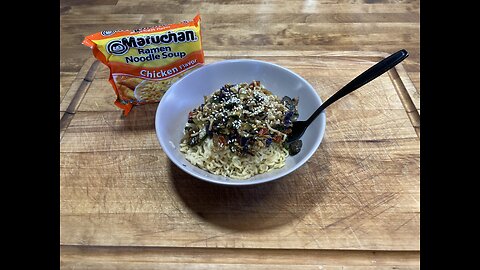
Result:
{"points": [[360, 190]]}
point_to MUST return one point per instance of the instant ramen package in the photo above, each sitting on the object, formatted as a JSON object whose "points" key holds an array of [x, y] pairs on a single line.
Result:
{"points": [[145, 62]]}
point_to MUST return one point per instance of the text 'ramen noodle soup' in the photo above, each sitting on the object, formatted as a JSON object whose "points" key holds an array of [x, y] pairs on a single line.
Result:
{"points": [[145, 62]]}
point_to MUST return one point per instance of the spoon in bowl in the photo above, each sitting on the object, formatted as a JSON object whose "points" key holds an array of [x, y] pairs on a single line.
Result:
{"points": [[378, 69]]}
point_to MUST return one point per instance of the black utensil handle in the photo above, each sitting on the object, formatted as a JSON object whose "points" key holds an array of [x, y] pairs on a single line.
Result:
{"points": [[368, 75]]}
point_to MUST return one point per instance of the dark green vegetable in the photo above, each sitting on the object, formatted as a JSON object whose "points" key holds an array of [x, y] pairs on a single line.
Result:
{"points": [[243, 118], [295, 147]]}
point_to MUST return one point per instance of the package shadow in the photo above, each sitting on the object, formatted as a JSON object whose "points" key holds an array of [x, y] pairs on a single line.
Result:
{"points": [[255, 207]]}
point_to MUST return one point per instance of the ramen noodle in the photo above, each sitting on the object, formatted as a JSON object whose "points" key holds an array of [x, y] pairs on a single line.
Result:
{"points": [[240, 131], [226, 163], [144, 63]]}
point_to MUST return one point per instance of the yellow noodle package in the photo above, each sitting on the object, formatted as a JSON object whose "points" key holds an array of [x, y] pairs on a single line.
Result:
{"points": [[145, 62]]}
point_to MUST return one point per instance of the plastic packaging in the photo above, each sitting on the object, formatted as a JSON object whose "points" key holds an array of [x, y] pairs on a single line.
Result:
{"points": [[145, 62]]}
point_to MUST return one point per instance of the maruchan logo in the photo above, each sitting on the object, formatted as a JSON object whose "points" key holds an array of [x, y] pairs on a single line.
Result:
{"points": [[108, 33], [121, 46], [116, 47]]}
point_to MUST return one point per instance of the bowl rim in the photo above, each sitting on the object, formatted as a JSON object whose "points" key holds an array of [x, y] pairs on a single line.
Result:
{"points": [[235, 182]]}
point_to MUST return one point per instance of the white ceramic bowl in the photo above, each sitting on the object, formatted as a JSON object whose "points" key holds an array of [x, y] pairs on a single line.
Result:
{"points": [[187, 94]]}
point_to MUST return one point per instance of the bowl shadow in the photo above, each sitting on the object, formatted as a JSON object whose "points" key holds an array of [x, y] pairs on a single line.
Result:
{"points": [[253, 207]]}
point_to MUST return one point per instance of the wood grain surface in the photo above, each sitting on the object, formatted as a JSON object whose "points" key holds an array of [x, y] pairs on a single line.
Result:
{"points": [[253, 25], [354, 205]]}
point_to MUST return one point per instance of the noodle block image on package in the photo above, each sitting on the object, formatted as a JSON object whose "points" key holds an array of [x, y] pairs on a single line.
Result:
{"points": [[145, 62]]}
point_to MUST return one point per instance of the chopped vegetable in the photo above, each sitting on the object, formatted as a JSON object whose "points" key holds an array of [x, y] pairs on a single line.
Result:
{"points": [[242, 117]]}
